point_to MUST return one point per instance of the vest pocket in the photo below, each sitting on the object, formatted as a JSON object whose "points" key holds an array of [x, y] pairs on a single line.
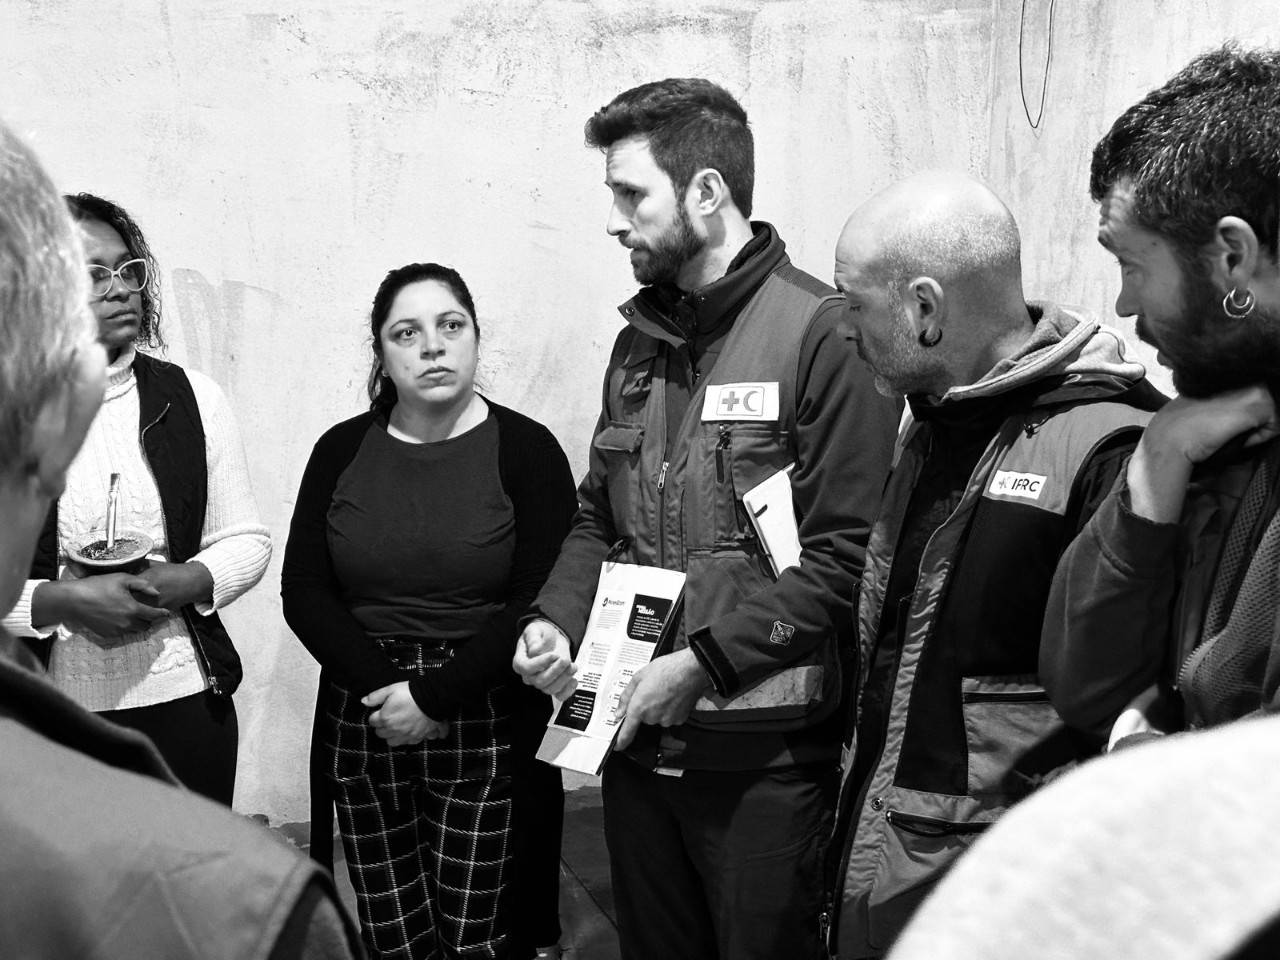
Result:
{"points": [[917, 850], [1014, 737], [718, 579], [725, 461], [618, 444], [619, 437]]}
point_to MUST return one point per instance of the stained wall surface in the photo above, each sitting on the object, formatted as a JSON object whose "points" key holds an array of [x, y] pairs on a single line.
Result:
{"points": [[282, 157]]}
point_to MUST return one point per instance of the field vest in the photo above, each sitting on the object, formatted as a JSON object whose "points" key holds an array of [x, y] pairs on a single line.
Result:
{"points": [[678, 500], [962, 745]]}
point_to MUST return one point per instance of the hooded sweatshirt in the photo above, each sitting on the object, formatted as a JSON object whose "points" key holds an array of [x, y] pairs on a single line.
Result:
{"points": [[995, 479]]}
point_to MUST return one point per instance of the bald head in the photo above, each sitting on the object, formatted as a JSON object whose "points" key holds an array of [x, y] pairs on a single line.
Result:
{"points": [[931, 268], [948, 226]]}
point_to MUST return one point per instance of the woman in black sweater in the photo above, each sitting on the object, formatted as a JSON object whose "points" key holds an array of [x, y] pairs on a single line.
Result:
{"points": [[421, 532]]}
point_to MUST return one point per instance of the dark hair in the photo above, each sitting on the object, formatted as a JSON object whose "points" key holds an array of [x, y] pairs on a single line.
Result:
{"points": [[382, 392], [1204, 146], [87, 206], [690, 123]]}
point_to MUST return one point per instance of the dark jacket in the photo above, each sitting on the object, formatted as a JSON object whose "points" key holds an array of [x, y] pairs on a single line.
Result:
{"points": [[106, 857], [1129, 602], [671, 487], [966, 727], [172, 437]]}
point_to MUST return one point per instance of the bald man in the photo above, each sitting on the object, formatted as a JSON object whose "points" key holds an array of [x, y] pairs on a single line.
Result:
{"points": [[1021, 415]]}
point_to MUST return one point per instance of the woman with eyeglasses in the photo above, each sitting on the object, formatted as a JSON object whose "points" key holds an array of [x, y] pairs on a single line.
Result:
{"points": [[146, 648], [421, 533]]}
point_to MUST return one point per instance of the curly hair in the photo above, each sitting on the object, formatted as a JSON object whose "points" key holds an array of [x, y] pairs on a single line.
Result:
{"points": [[88, 206], [1203, 146]]}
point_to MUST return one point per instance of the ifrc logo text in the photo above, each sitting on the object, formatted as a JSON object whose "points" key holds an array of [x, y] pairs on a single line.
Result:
{"points": [[1025, 486]]}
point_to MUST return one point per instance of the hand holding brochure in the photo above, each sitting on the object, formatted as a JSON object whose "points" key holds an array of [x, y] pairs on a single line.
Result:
{"points": [[633, 611]]}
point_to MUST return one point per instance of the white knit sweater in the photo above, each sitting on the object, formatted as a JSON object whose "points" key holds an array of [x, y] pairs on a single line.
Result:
{"points": [[159, 664]]}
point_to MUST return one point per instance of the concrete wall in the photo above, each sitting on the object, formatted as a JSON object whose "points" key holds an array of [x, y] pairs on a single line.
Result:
{"points": [[282, 158]]}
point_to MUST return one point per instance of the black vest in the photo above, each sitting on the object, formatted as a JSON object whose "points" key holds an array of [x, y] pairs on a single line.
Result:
{"points": [[172, 437]]}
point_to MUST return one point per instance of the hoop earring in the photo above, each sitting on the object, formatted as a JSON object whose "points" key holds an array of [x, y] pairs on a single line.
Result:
{"points": [[925, 340], [1238, 311]]}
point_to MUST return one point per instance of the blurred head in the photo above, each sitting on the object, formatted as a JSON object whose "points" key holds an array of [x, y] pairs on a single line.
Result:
{"points": [[124, 280], [51, 366], [1188, 180], [678, 155], [425, 339], [930, 269]]}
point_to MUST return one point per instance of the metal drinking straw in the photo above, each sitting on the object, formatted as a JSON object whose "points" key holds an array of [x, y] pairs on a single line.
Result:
{"points": [[112, 495]]}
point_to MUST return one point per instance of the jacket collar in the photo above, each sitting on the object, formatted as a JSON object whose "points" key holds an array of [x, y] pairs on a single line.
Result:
{"points": [[1068, 355], [667, 313]]}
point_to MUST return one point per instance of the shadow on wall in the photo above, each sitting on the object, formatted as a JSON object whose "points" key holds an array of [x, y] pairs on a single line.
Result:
{"points": [[213, 320]]}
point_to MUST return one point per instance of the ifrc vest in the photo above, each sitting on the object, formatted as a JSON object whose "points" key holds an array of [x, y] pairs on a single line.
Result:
{"points": [[679, 499], [969, 728]]}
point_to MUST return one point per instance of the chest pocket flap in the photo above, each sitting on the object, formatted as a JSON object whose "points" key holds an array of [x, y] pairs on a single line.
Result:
{"points": [[621, 437]]}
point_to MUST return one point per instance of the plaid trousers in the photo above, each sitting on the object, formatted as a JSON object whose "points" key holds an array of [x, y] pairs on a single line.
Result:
{"points": [[426, 827]]}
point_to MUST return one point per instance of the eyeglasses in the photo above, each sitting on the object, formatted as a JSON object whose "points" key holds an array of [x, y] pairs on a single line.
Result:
{"points": [[132, 275]]}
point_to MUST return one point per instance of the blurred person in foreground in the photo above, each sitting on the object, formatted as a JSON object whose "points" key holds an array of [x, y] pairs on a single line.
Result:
{"points": [[1022, 415], [104, 855], [1164, 612], [732, 364], [1165, 851]]}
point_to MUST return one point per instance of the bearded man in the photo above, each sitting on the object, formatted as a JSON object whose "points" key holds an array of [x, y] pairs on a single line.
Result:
{"points": [[1163, 614], [732, 366], [1023, 415]]}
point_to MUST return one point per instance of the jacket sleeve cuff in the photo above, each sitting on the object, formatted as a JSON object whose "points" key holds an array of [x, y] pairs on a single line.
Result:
{"points": [[723, 677], [1133, 544], [427, 699]]}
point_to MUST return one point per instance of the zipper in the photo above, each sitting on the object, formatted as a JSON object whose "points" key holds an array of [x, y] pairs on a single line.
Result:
{"points": [[1005, 696], [724, 443], [850, 802], [836, 867], [662, 475], [923, 826], [202, 658]]}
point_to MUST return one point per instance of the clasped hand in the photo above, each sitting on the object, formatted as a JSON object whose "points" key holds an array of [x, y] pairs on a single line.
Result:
{"points": [[107, 607], [662, 692], [544, 659], [397, 719]]}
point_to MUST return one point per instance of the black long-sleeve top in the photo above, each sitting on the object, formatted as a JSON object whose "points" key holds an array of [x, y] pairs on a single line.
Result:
{"points": [[447, 541]]}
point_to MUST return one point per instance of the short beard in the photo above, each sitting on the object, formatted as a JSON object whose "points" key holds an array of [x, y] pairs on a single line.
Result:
{"points": [[909, 368], [663, 260], [1219, 353]]}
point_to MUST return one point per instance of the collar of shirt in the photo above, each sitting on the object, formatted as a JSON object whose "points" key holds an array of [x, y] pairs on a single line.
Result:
{"points": [[681, 316]]}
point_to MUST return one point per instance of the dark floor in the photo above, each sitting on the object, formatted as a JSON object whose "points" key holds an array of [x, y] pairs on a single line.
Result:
{"points": [[586, 898]]}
